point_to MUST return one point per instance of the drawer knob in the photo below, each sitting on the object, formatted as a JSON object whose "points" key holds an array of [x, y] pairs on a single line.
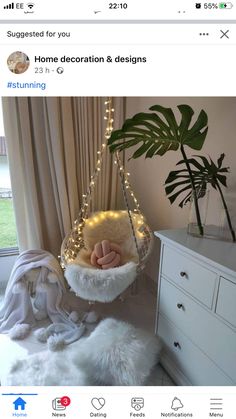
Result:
{"points": [[183, 274], [179, 305], [177, 345]]}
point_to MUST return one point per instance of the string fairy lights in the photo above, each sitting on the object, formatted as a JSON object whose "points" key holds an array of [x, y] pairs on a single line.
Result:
{"points": [[74, 241]]}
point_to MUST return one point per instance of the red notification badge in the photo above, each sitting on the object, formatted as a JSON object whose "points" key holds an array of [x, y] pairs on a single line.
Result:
{"points": [[65, 401]]}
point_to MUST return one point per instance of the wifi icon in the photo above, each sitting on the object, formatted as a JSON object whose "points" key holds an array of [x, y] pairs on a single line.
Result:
{"points": [[30, 5]]}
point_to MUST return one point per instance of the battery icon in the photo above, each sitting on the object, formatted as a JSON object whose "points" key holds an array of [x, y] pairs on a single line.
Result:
{"points": [[225, 5]]}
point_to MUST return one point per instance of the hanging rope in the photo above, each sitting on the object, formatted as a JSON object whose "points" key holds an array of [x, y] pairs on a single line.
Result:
{"points": [[122, 178]]}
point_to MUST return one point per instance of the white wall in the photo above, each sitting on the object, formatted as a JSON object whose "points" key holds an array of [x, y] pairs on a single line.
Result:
{"points": [[148, 176]]}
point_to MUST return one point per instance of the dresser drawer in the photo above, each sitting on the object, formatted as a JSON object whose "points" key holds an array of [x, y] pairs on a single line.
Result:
{"points": [[192, 362], [205, 330], [189, 275], [226, 302]]}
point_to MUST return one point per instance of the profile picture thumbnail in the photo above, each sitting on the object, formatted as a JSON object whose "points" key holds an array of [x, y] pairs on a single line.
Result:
{"points": [[18, 62]]}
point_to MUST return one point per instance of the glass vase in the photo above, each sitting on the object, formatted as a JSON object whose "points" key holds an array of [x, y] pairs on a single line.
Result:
{"points": [[212, 214]]}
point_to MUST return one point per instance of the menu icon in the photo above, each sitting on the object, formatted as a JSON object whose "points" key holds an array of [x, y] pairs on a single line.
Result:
{"points": [[216, 404]]}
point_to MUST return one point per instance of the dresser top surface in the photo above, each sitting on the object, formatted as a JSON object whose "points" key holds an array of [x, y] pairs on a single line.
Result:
{"points": [[221, 253]]}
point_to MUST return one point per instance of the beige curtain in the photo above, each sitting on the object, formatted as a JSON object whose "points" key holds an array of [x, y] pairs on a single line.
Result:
{"points": [[52, 149]]}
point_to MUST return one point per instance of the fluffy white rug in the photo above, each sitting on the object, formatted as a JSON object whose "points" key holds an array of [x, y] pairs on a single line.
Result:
{"points": [[116, 353]]}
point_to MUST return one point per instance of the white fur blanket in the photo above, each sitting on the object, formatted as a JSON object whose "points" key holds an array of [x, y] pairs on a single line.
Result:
{"points": [[116, 353], [34, 292], [100, 285]]}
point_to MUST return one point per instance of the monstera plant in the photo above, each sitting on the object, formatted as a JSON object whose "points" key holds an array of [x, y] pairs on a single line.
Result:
{"points": [[157, 132]]}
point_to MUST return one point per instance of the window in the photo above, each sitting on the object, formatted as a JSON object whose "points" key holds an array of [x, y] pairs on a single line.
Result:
{"points": [[8, 237]]}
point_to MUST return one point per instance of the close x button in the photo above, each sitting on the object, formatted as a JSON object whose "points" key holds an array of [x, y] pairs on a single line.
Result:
{"points": [[224, 34]]}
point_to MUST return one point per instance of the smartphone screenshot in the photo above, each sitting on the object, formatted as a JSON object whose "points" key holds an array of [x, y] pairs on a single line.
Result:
{"points": [[117, 209]]}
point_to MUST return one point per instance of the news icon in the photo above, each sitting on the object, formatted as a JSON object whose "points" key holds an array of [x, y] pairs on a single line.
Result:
{"points": [[57, 405]]}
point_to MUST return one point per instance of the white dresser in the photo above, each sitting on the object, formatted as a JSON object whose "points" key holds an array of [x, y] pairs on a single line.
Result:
{"points": [[196, 310]]}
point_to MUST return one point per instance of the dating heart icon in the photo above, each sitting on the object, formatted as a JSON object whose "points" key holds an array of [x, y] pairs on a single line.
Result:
{"points": [[98, 403]]}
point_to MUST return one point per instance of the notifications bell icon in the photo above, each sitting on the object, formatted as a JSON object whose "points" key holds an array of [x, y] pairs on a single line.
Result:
{"points": [[176, 404]]}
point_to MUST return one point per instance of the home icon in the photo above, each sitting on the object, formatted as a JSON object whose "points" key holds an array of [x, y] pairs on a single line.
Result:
{"points": [[19, 403]]}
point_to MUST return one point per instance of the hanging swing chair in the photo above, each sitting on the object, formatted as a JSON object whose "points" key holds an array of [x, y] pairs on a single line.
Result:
{"points": [[106, 250]]}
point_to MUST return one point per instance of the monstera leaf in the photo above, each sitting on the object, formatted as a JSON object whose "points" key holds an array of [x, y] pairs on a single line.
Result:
{"points": [[158, 132], [204, 171]]}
